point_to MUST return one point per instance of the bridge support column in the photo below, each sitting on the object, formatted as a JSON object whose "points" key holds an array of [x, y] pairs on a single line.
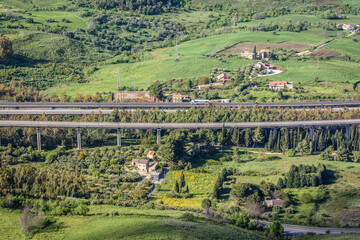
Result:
{"points": [[275, 130], [38, 139], [158, 136], [348, 129], [311, 133], [118, 137], [78, 133]]}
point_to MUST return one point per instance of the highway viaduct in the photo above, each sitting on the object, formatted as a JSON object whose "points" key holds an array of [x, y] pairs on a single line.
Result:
{"points": [[91, 105], [311, 124]]}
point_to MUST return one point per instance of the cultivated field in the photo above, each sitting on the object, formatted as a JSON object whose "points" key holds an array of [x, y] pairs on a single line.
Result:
{"points": [[249, 46]]}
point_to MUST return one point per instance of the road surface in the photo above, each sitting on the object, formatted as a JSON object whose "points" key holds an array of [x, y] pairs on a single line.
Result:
{"points": [[215, 125], [47, 105], [299, 230]]}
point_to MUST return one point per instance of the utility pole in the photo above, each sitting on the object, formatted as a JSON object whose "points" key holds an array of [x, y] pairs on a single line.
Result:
{"points": [[134, 89], [177, 52], [118, 79]]}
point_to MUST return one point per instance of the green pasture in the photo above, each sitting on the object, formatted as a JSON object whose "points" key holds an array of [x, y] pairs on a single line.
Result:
{"points": [[158, 65], [131, 223], [332, 237], [18, 4], [351, 19], [345, 46], [41, 16], [328, 71]]}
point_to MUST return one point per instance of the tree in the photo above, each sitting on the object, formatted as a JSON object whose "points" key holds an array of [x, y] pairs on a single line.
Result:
{"points": [[254, 51], [156, 90], [176, 187], [342, 154], [258, 136], [280, 184], [275, 230], [6, 50], [327, 153], [218, 188], [182, 180]]}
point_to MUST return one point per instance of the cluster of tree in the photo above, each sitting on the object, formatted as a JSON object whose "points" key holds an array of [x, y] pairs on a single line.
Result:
{"points": [[286, 26], [341, 154], [42, 75], [11, 156], [28, 181], [180, 186], [221, 178], [143, 7], [6, 50], [304, 176]]}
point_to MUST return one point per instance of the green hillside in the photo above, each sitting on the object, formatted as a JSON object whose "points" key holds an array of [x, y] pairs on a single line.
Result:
{"points": [[129, 223]]}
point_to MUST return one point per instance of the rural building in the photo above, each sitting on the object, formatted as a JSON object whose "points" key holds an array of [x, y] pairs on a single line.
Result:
{"points": [[260, 66], [153, 167], [155, 176], [142, 164], [224, 79], [151, 154], [269, 202], [178, 98], [132, 95], [277, 85], [202, 86], [248, 55], [264, 53], [349, 27]]}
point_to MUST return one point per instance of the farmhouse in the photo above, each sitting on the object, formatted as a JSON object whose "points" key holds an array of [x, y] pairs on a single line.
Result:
{"points": [[264, 53], [129, 95], [349, 27], [248, 55], [142, 164], [151, 154], [178, 98], [269, 202], [277, 85], [264, 66], [224, 79]]}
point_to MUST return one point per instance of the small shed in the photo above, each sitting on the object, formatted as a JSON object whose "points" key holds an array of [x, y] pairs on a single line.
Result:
{"points": [[155, 175]]}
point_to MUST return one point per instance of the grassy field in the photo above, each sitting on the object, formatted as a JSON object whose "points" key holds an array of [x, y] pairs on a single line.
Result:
{"points": [[332, 237], [200, 185], [129, 224], [351, 19], [158, 65]]}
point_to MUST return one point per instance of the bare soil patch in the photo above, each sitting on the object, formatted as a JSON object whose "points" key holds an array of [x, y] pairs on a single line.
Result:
{"points": [[324, 52], [249, 46]]}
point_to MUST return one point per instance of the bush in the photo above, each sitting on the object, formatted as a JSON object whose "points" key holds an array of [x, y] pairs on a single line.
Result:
{"points": [[188, 217]]}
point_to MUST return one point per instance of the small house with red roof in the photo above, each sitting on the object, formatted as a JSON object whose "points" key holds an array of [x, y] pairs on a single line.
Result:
{"points": [[277, 85], [151, 154]]}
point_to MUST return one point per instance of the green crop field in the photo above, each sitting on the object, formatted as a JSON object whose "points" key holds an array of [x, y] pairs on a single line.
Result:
{"points": [[160, 66], [129, 224]]}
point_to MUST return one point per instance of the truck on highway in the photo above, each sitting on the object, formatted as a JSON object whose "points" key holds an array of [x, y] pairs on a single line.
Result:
{"points": [[199, 102]]}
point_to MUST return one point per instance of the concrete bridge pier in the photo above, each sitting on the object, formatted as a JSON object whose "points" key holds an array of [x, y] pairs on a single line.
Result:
{"points": [[275, 130], [78, 138], [118, 137], [38, 139], [311, 133], [348, 129], [158, 136]]}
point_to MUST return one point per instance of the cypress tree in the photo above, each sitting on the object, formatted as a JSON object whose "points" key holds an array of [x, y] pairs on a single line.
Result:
{"points": [[182, 180], [176, 187]]}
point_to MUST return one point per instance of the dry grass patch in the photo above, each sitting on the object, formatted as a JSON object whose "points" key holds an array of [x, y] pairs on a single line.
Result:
{"points": [[249, 46]]}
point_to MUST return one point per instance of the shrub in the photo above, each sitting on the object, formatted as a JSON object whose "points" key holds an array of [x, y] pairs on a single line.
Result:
{"points": [[188, 217]]}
